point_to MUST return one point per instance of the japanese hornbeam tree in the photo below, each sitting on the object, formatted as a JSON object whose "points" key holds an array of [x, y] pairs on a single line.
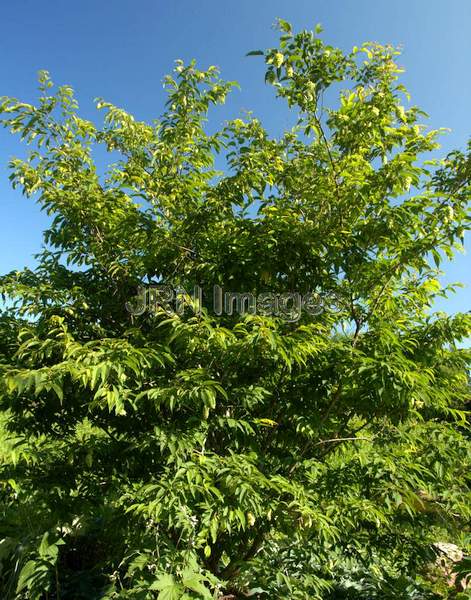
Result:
{"points": [[196, 455]]}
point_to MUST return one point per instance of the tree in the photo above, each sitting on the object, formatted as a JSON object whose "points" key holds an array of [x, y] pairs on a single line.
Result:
{"points": [[189, 454]]}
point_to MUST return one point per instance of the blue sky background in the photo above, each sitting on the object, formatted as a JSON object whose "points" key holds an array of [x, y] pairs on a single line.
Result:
{"points": [[121, 50]]}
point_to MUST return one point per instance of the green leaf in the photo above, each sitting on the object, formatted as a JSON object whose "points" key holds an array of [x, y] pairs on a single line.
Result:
{"points": [[193, 582], [169, 588], [26, 575]]}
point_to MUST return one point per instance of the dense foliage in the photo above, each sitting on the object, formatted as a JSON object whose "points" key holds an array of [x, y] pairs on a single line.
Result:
{"points": [[179, 456]]}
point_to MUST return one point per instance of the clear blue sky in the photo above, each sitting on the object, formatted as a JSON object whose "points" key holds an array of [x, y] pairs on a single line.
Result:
{"points": [[121, 50]]}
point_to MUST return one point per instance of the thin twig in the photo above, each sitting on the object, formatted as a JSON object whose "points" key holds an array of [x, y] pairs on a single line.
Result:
{"points": [[345, 439]]}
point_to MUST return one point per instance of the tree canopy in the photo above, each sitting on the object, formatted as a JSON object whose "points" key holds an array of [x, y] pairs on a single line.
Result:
{"points": [[193, 455]]}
